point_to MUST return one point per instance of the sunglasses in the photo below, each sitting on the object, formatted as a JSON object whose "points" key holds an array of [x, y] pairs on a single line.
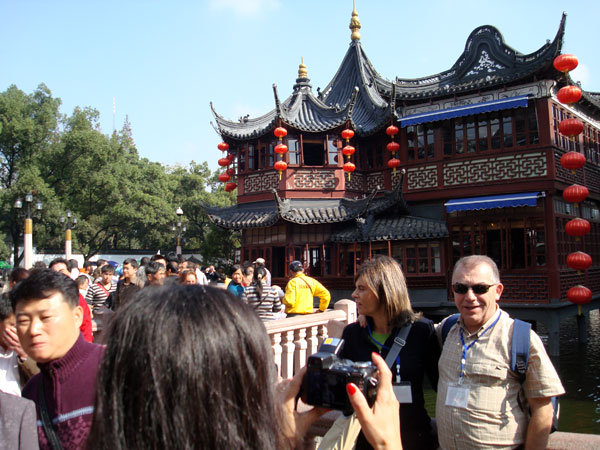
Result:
{"points": [[478, 289]]}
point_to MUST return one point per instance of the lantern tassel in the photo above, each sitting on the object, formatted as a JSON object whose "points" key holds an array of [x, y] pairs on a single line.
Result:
{"points": [[579, 310], [280, 175]]}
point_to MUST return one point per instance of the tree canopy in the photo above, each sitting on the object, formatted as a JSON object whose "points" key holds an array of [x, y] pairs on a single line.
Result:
{"points": [[121, 201]]}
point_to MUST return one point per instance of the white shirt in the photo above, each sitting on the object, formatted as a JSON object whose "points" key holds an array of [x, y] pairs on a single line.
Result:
{"points": [[9, 372]]}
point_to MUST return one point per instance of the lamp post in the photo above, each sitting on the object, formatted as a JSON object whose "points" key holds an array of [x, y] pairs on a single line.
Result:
{"points": [[179, 228], [28, 235], [69, 221]]}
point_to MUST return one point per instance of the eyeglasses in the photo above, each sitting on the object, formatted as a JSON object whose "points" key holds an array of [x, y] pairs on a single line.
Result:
{"points": [[478, 289]]}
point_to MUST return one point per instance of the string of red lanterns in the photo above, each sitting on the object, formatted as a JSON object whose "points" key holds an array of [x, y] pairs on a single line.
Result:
{"points": [[280, 165], [393, 148], [573, 160], [348, 151], [224, 162]]}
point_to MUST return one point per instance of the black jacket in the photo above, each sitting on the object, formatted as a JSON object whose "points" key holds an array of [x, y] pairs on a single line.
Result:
{"points": [[418, 357]]}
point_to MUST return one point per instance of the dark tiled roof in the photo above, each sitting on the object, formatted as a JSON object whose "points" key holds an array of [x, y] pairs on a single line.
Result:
{"points": [[487, 61], [305, 211], [391, 228], [241, 216]]}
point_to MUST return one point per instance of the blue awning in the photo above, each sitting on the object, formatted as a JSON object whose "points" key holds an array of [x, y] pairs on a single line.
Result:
{"points": [[494, 201], [465, 110]]}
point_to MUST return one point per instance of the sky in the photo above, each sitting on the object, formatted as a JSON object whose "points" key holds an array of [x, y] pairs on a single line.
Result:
{"points": [[163, 62]]}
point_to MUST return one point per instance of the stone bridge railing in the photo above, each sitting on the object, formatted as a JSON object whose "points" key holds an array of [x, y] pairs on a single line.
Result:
{"points": [[294, 339]]}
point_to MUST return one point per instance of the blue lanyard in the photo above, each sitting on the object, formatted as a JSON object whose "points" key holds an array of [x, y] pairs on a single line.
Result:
{"points": [[388, 349], [466, 348]]}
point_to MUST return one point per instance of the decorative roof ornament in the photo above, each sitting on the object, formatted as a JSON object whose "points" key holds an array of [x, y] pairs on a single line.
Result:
{"points": [[302, 72], [355, 24]]}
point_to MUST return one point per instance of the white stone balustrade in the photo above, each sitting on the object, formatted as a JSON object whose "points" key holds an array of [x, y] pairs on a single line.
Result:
{"points": [[294, 339]]}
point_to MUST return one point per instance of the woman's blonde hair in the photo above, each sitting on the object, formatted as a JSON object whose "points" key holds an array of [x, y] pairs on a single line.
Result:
{"points": [[384, 277]]}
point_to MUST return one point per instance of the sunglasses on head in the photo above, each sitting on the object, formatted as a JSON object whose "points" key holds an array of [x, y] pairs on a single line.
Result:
{"points": [[478, 289]]}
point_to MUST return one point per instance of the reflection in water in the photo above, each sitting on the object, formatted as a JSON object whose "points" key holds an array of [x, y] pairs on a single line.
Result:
{"points": [[579, 369]]}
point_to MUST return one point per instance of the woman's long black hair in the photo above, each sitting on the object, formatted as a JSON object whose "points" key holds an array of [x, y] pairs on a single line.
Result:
{"points": [[186, 367]]}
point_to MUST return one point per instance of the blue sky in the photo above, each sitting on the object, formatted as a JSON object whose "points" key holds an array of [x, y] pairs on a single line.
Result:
{"points": [[164, 61]]}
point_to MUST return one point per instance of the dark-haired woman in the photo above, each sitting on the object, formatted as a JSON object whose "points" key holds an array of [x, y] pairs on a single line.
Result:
{"points": [[263, 299], [235, 286], [382, 297]]}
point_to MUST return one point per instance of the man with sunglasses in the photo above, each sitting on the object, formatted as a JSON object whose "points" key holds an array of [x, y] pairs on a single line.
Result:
{"points": [[478, 403]]}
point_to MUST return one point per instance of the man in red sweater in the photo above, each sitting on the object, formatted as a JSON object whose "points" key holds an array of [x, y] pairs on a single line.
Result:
{"points": [[60, 265], [48, 318]]}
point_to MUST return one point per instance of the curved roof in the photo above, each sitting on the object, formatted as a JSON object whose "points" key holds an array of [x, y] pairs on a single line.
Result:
{"points": [[486, 61]]}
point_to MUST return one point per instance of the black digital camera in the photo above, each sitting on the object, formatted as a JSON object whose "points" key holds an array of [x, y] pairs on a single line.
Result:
{"points": [[327, 376]]}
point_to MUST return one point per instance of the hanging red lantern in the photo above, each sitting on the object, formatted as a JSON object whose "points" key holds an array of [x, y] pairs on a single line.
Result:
{"points": [[230, 171], [281, 148], [580, 295], [224, 177], [570, 127], [347, 134], [349, 168], [230, 186], [223, 162], [393, 163], [280, 165], [348, 150], [569, 94], [572, 160], [280, 132], [576, 193], [393, 146], [577, 227], [392, 130], [223, 146], [579, 261], [231, 157], [564, 63]]}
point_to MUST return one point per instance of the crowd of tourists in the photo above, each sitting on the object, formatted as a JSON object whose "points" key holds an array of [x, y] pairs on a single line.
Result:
{"points": [[166, 354]]}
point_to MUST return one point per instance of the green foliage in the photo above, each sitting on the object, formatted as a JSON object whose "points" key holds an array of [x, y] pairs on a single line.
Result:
{"points": [[121, 201]]}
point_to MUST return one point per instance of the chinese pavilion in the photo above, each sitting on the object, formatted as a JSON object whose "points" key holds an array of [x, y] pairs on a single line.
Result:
{"points": [[479, 150]]}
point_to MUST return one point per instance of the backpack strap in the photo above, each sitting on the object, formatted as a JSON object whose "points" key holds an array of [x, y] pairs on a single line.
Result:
{"points": [[519, 353], [448, 324], [399, 342]]}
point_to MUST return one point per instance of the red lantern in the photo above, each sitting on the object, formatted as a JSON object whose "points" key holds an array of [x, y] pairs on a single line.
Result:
{"points": [[576, 193], [224, 162], [280, 165], [579, 260], [281, 148], [347, 134], [224, 177], [230, 171], [393, 163], [577, 227], [231, 157], [280, 132], [230, 187], [564, 63], [580, 295], [393, 146], [348, 150], [570, 127], [349, 167], [223, 146], [392, 130], [569, 94], [572, 160]]}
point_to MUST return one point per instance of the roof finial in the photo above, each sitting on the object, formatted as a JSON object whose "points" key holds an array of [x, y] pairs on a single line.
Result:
{"points": [[355, 24], [302, 72]]}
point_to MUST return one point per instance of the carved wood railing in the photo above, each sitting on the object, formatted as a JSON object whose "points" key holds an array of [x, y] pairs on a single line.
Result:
{"points": [[294, 339]]}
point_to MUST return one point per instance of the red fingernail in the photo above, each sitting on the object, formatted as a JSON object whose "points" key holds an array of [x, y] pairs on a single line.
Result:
{"points": [[351, 388]]}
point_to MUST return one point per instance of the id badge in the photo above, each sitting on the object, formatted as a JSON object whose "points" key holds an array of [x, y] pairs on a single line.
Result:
{"points": [[457, 396], [403, 392]]}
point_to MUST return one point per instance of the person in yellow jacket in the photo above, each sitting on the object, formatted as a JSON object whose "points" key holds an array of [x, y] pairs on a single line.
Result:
{"points": [[300, 291]]}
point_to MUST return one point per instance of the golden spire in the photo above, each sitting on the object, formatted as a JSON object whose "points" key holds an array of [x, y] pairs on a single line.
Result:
{"points": [[355, 24], [302, 72]]}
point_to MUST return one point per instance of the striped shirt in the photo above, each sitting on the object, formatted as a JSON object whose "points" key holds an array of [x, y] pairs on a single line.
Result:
{"points": [[98, 294], [268, 306]]}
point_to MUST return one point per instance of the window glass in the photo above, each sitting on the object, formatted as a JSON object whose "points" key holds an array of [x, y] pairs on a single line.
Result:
{"points": [[410, 142], [332, 150], [471, 138], [447, 136], [430, 143], [507, 130], [420, 141], [293, 150], [483, 134], [496, 132], [460, 135]]}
